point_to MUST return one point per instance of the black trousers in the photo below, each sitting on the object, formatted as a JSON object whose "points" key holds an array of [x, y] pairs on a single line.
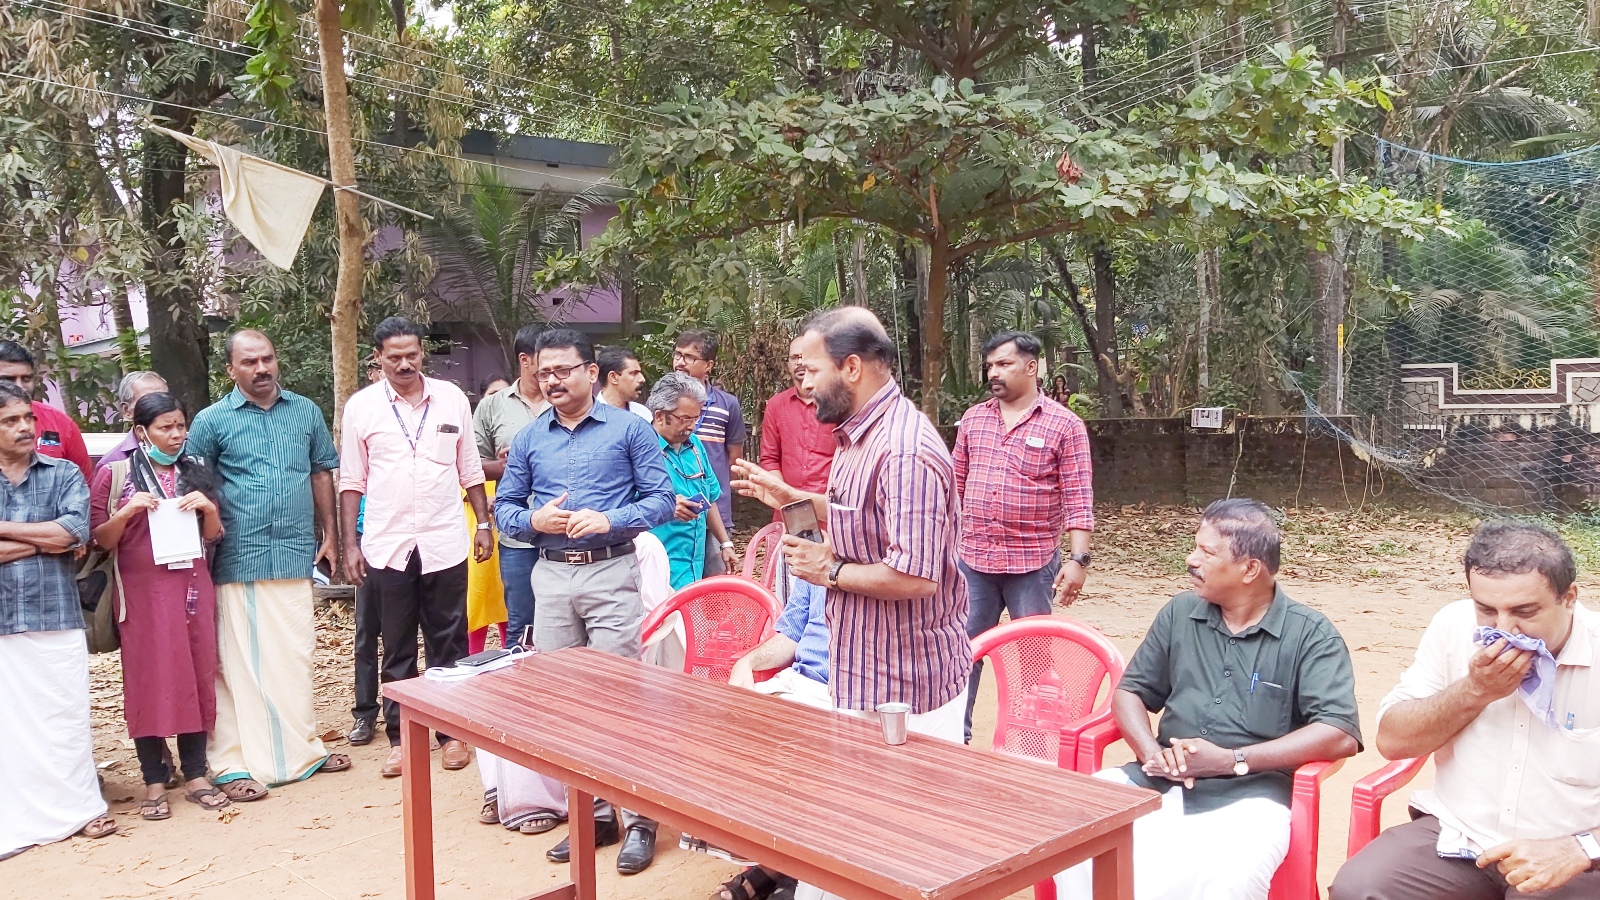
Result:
{"points": [[408, 600], [368, 626], [152, 752]]}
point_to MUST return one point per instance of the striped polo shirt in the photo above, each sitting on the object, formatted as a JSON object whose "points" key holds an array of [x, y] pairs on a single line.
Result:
{"points": [[264, 459], [892, 499]]}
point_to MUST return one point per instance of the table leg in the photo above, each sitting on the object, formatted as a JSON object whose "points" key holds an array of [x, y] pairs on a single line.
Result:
{"points": [[580, 832], [1113, 869], [417, 803]]}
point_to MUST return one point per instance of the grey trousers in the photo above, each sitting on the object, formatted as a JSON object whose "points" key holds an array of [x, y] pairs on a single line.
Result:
{"points": [[1020, 595], [595, 606], [1402, 864]]}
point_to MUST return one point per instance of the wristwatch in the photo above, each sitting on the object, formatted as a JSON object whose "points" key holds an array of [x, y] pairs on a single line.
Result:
{"points": [[1081, 559], [1591, 848], [727, 545], [833, 574], [484, 526], [1241, 766]]}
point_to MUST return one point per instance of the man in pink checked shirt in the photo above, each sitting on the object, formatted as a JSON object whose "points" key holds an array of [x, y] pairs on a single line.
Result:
{"points": [[407, 448], [1023, 473]]}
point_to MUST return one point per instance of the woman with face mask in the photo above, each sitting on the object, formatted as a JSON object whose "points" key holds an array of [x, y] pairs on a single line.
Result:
{"points": [[166, 611]]}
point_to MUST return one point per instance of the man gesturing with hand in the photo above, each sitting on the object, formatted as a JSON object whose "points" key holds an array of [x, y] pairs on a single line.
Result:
{"points": [[1514, 732], [1250, 685], [581, 482]]}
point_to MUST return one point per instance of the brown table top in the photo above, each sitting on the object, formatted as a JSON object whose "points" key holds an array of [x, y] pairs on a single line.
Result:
{"points": [[927, 819]]}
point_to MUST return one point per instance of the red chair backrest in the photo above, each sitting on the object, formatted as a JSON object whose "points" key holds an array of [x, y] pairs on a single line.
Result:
{"points": [[763, 547], [724, 617], [1049, 672]]}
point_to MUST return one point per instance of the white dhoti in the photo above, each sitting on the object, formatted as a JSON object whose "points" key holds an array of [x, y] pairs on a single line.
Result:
{"points": [[1225, 854], [796, 688], [48, 777], [521, 794], [947, 722], [266, 722]]}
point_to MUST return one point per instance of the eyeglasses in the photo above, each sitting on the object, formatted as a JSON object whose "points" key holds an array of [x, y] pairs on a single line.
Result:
{"points": [[559, 374], [676, 419], [680, 356]]}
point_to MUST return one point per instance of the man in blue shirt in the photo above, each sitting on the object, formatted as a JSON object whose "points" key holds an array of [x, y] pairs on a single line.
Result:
{"points": [[721, 427], [48, 777], [580, 483], [675, 405]]}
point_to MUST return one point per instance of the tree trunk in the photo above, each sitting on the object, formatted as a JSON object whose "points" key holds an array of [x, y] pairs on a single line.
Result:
{"points": [[1205, 290], [858, 267], [912, 291], [1327, 270], [1105, 315], [1283, 22], [179, 344], [933, 346], [129, 358], [402, 120], [346, 315], [838, 264]]}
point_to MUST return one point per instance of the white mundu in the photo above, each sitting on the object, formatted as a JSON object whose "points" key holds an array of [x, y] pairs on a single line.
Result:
{"points": [[1224, 854]]}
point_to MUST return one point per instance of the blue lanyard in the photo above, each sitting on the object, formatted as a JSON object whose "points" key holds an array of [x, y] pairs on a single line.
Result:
{"points": [[427, 406]]}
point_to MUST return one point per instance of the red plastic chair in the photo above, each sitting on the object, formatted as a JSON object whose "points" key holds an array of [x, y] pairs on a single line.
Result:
{"points": [[1366, 800], [764, 546], [724, 617], [1048, 673]]}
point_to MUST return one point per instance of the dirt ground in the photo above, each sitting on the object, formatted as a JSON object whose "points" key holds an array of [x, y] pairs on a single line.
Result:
{"points": [[1379, 575]]}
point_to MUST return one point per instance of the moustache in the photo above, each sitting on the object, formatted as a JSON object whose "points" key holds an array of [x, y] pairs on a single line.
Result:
{"points": [[995, 384], [265, 377], [1195, 574]]}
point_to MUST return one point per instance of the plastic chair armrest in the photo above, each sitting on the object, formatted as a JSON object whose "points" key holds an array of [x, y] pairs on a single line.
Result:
{"points": [[1296, 878], [1092, 743], [1366, 800]]}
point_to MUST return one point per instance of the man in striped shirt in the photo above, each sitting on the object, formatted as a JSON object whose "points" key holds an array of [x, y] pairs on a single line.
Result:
{"points": [[897, 604], [1023, 472], [721, 427]]}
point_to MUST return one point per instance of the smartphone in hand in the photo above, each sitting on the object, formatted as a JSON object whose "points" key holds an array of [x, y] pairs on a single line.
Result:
{"points": [[800, 520]]}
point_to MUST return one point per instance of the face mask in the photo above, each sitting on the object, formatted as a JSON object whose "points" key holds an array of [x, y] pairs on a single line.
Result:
{"points": [[159, 456]]}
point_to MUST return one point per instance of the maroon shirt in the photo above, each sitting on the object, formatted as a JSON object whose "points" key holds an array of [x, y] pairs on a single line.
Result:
{"points": [[892, 499], [796, 445]]}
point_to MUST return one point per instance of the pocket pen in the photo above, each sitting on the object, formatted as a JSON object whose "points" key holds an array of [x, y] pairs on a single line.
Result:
{"points": [[1255, 678]]}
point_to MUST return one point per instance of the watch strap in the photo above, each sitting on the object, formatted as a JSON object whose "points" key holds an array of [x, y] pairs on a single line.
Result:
{"points": [[833, 574], [1082, 559], [1590, 845]]}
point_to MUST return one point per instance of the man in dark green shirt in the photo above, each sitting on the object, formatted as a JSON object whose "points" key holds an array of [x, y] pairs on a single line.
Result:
{"points": [[1250, 685]]}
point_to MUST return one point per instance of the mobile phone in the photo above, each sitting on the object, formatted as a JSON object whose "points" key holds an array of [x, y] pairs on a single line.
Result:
{"points": [[800, 520], [700, 501], [484, 658]]}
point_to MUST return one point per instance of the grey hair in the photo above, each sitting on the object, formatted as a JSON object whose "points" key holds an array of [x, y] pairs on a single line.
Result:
{"points": [[672, 387], [1250, 528], [126, 386]]}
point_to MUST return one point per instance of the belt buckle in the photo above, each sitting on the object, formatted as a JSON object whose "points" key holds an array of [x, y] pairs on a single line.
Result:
{"points": [[576, 557]]}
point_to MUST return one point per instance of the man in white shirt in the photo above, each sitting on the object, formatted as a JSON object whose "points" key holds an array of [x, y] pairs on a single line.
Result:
{"points": [[1516, 795], [622, 381]]}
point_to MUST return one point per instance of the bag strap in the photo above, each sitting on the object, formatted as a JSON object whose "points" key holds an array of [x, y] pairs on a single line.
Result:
{"points": [[119, 479]]}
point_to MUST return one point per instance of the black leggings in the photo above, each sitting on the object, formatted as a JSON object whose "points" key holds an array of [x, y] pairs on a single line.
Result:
{"points": [[191, 757]]}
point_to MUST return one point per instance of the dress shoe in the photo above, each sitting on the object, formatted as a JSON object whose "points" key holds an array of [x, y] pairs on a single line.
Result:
{"points": [[638, 850], [361, 732], [394, 766], [605, 834], [455, 755]]}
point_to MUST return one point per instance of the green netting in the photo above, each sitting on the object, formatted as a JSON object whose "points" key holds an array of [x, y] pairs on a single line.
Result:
{"points": [[1472, 364]]}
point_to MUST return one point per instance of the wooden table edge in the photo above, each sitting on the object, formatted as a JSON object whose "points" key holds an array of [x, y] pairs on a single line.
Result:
{"points": [[1103, 835]]}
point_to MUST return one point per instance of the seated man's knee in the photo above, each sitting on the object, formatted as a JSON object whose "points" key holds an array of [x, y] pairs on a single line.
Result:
{"points": [[1360, 878]]}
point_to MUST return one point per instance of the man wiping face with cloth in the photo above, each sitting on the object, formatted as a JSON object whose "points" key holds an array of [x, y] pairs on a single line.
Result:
{"points": [[1515, 802]]}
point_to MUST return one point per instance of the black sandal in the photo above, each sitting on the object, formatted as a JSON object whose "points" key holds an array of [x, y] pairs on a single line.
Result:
{"points": [[200, 798], [752, 884], [153, 811]]}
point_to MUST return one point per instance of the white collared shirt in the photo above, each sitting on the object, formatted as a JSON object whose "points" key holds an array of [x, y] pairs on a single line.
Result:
{"points": [[1508, 775]]}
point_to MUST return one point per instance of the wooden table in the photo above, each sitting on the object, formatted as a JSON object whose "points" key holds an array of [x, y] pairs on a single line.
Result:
{"points": [[813, 794]]}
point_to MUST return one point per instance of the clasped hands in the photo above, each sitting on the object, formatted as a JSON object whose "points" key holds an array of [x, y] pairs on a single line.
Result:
{"points": [[1188, 759], [552, 519]]}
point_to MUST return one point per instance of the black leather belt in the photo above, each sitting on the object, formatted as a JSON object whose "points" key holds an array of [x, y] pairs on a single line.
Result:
{"points": [[585, 557]]}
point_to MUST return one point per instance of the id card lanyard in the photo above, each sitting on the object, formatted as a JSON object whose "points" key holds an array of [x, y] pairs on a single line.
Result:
{"points": [[422, 426]]}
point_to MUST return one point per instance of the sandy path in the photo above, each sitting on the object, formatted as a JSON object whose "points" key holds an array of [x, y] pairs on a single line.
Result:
{"points": [[338, 836]]}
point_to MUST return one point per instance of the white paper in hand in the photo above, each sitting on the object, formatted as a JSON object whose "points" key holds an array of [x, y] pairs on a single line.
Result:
{"points": [[174, 533]]}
